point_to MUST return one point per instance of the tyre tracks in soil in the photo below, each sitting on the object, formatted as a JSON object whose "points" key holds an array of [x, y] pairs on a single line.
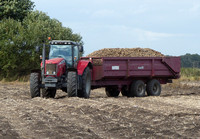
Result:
{"points": [[31, 120], [99, 117]]}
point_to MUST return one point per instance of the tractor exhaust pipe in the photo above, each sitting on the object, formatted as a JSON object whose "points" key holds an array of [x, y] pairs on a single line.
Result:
{"points": [[43, 62]]}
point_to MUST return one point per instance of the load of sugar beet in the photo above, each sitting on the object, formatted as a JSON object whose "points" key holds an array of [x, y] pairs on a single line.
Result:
{"points": [[124, 52]]}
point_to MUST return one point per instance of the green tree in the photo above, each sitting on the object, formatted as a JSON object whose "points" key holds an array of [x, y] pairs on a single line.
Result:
{"points": [[11, 47], [18, 41], [15, 9], [190, 61]]}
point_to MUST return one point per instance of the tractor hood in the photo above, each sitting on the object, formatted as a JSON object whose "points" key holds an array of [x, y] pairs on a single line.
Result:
{"points": [[54, 61], [55, 67]]}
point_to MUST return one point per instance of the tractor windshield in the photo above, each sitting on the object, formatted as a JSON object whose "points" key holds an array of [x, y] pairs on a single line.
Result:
{"points": [[64, 51]]}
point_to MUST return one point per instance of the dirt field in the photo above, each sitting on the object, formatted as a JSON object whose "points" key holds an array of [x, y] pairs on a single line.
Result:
{"points": [[175, 114]]}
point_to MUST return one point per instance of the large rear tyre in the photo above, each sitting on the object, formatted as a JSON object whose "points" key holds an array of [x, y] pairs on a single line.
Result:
{"points": [[72, 84], [153, 88], [86, 84], [112, 91], [137, 89], [48, 93], [35, 85]]}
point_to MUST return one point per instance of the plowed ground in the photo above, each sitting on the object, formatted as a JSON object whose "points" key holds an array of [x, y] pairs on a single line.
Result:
{"points": [[175, 114]]}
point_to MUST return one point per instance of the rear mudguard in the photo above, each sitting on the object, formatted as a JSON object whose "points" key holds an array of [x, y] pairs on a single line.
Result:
{"points": [[82, 64]]}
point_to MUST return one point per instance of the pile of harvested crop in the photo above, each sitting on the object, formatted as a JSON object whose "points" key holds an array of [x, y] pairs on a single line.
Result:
{"points": [[123, 52], [126, 52]]}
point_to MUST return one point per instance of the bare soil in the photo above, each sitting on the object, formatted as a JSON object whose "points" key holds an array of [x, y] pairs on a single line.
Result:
{"points": [[174, 114]]}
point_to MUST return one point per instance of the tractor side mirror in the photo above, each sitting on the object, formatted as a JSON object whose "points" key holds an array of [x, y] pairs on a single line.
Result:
{"points": [[37, 48], [80, 48]]}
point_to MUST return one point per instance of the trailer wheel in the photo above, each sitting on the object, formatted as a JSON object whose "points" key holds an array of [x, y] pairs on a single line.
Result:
{"points": [[64, 89], [112, 91], [72, 84], [124, 91], [86, 84], [35, 85], [153, 88], [48, 93], [137, 89]]}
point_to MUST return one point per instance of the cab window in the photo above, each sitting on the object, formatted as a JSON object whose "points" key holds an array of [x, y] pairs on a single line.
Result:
{"points": [[76, 53]]}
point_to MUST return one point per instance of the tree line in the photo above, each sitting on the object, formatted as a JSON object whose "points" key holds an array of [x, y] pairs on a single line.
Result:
{"points": [[190, 61], [21, 29]]}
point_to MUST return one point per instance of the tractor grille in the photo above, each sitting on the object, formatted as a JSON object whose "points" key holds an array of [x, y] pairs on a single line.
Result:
{"points": [[50, 69]]}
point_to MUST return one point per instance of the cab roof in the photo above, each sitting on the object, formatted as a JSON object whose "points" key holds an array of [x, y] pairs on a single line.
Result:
{"points": [[64, 42]]}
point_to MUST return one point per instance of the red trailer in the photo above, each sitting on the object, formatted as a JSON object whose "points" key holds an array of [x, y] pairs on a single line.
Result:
{"points": [[133, 76]]}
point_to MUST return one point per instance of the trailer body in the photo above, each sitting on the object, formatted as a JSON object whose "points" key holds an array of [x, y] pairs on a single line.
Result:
{"points": [[121, 71]]}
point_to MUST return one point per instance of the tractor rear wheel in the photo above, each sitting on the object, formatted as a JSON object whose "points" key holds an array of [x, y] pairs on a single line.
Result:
{"points": [[72, 84], [137, 89], [48, 93], [86, 84], [153, 88], [112, 91], [35, 85]]}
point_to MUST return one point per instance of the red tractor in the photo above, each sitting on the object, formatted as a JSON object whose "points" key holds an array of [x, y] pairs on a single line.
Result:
{"points": [[63, 70]]}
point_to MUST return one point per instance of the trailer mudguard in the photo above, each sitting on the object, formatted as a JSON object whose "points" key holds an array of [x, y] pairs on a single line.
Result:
{"points": [[82, 64]]}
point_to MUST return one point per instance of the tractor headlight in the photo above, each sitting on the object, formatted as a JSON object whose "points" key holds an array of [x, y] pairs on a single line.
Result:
{"points": [[47, 72], [54, 72]]}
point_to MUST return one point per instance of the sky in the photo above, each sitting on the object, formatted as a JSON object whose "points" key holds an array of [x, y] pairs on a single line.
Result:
{"points": [[171, 27]]}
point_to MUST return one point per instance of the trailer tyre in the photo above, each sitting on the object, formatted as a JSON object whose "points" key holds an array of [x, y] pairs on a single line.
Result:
{"points": [[153, 88], [72, 84], [35, 85], [86, 84], [64, 89], [112, 91], [137, 89], [124, 91], [48, 93]]}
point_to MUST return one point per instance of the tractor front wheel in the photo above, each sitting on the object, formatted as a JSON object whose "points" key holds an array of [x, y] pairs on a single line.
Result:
{"points": [[35, 85], [48, 93]]}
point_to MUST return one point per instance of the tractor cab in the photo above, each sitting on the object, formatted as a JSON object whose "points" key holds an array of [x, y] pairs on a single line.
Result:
{"points": [[68, 50]]}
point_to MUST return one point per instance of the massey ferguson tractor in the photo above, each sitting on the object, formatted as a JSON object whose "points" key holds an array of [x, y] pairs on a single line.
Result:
{"points": [[63, 70]]}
